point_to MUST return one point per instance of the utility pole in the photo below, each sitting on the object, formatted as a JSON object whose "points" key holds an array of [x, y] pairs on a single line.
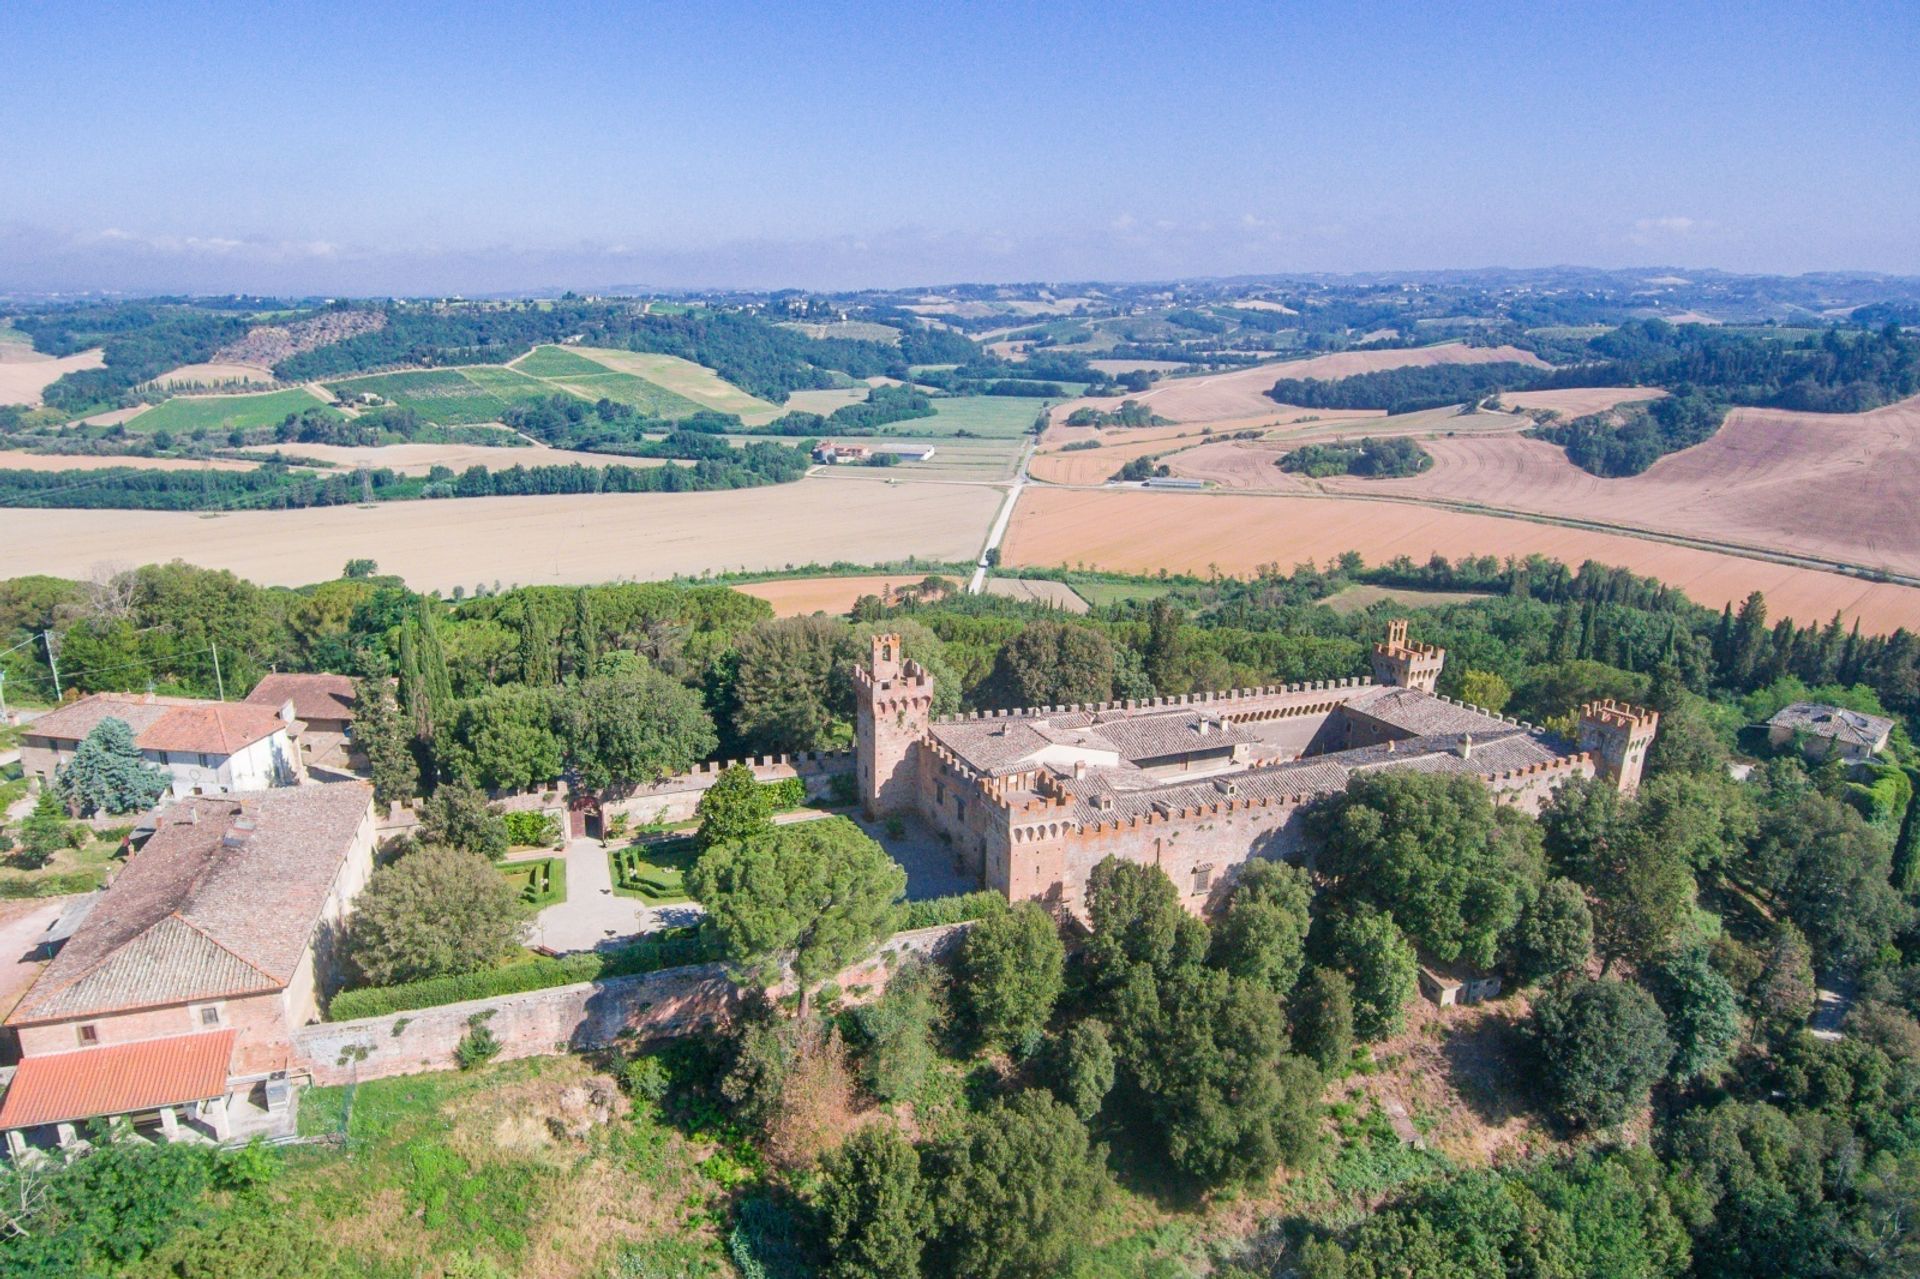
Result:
{"points": [[53, 663], [218, 683]]}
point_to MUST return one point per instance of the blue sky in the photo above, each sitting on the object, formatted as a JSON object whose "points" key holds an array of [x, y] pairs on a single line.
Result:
{"points": [[354, 148]]}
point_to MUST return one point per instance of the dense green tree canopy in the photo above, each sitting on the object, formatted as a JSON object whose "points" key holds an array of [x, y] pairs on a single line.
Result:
{"points": [[811, 897], [107, 773], [1011, 970], [1014, 1192], [435, 911], [1601, 1046], [1434, 851], [734, 808]]}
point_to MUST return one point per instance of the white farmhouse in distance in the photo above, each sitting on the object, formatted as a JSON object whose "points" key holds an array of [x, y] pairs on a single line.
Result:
{"points": [[208, 748]]}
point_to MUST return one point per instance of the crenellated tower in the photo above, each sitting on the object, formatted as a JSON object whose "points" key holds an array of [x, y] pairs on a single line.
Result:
{"points": [[1404, 664], [1618, 735], [893, 703]]}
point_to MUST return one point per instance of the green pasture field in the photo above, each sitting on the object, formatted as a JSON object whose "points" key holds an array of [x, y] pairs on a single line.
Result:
{"points": [[624, 388], [184, 414], [953, 459], [451, 397], [1099, 593], [1362, 596], [991, 416], [556, 362]]}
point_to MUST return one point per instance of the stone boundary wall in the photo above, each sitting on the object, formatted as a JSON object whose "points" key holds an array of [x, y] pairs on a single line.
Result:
{"points": [[673, 799], [561, 1019]]}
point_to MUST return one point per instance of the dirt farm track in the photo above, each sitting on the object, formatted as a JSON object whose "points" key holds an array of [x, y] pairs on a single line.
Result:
{"points": [[525, 540], [1132, 531]]}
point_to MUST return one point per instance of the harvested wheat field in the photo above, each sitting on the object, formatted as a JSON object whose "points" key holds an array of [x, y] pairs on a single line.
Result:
{"points": [[797, 596], [1096, 466], [825, 402], [215, 374], [1238, 464], [1037, 591], [1138, 532], [1831, 486], [528, 540], [25, 372], [1242, 394], [418, 459], [14, 460], [1579, 401]]}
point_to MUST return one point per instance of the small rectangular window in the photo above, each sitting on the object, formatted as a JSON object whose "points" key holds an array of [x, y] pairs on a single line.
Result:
{"points": [[89, 1034], [1202, 878], [209, 1016]]}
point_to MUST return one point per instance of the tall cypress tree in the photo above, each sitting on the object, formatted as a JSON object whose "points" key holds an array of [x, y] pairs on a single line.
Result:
{"points": [[433, 666], [586, 636], [414, 698]]}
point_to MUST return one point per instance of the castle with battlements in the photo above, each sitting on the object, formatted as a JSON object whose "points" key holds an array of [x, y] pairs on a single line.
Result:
{"points": [[1030, 801]]}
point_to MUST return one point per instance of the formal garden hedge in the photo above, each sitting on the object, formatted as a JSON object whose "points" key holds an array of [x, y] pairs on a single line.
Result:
{"points": [[675, 948], [653, 870], [957, 909], [541, 881]]}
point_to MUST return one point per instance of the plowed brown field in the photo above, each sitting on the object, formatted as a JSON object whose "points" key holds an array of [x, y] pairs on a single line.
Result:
{"points": [[1580, 400], [1133, 531], [25, 372], [796, 596], [1834, 486], [1242, 394], [600, 537]]}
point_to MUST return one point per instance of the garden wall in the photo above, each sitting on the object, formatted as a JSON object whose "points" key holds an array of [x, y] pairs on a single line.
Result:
{"points": [[587, 1015], [673, 799]]}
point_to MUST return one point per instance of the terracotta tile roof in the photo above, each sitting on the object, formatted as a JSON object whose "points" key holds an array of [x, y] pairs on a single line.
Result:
{"points": [[164, 724], [1420, 713], [313, 696], [53, 1088], [221, 901], [1842, 725], [1006, 744], [1106, 795]]}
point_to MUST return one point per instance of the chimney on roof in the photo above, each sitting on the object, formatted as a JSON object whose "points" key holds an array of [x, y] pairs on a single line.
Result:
{"points": [[239, 833], [1079, 768], [1466, 746]]}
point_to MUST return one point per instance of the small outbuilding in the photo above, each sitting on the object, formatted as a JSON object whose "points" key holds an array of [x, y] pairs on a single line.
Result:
{"points": [[1828, 732]]}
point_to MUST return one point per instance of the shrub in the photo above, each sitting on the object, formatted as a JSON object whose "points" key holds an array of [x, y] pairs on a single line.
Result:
{"points": [[788, 792], [957, 909], [675, 949], [843, 791], [646, 1078], [532, 830], [478, 1045]]}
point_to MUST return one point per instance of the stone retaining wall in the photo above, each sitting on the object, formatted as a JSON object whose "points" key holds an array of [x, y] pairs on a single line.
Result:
{"points": [[576, 1018]]}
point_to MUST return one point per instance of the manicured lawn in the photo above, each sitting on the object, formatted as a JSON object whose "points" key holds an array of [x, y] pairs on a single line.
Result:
{"points": [[184, 414], [653, 871], [541, 881]]}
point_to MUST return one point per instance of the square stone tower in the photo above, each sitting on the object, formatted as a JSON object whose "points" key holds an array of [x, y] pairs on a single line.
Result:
{"points": [[893, 702], [1618, 735], [1404, 664]]}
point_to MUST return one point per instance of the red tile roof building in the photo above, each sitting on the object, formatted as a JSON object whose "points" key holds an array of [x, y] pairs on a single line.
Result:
{"points": [[221, 922], [206, 747]]}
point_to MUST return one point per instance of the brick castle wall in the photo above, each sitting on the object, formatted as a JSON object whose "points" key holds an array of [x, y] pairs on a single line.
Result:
{"points": [[584, 1016]]}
